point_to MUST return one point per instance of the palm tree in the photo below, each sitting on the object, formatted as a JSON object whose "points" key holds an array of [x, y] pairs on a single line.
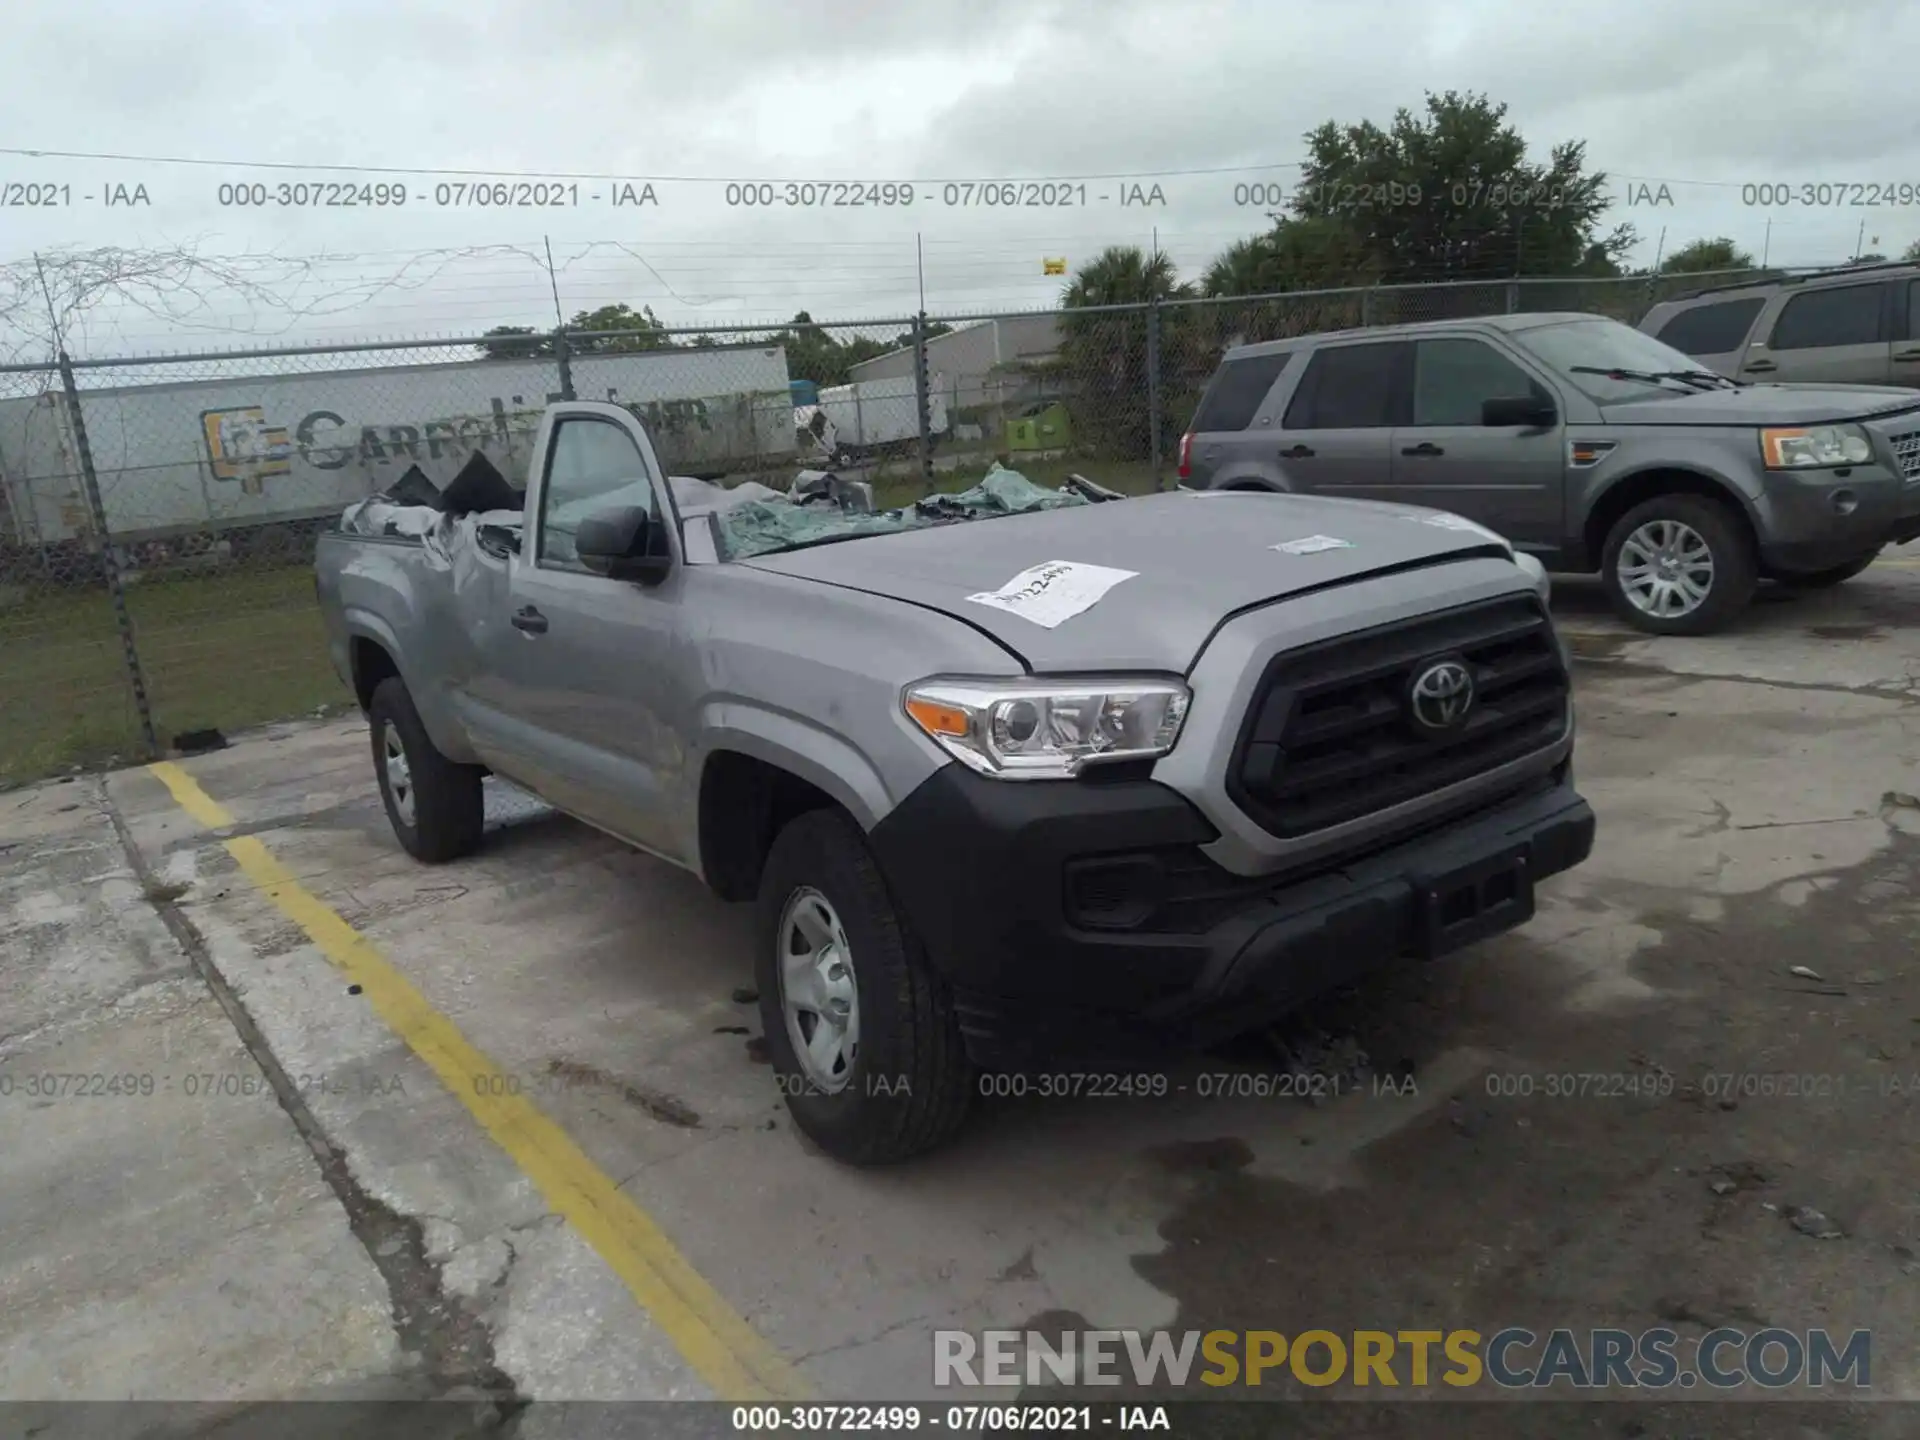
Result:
{"points": [[1246, 267], [1103, 356], [1124, 275]]}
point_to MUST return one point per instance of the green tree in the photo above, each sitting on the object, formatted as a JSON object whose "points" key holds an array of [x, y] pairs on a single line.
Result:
{"points": [[817, 354], [1317, 253], [515, 342], [1450, 193], [644, 331], [1699, 256], [1102, 360], [1912, 253]]}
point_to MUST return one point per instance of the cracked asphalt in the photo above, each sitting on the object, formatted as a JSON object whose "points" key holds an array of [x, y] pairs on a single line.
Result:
{"points": [[239, 1184]]}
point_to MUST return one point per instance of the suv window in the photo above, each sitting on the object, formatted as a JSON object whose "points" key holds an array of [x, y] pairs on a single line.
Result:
{"points": [[1452, 377], [593, 465], [1347, 387], [1234, 394], [1716, 329], [1843, 315], [1913, 310]]}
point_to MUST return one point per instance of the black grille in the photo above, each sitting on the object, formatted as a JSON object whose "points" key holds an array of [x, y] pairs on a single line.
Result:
{"points": [[1329, 739]]}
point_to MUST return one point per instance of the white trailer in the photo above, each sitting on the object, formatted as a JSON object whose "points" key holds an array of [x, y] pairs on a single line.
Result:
{"points": [[232, 455], [852, 421]]}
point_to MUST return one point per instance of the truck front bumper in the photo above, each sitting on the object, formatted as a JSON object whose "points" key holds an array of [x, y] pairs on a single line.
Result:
{"points": [[1079, 920]]}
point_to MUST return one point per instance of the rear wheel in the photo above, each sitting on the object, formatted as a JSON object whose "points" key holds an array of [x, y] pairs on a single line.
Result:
{"points": [[1826, 579], [861, 1032], [436, 805], [1679, 565]]}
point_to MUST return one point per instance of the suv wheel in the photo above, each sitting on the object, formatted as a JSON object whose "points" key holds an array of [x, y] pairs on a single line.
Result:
{"points": [[436, 805], [1679, 565], [861, 1032], [1826, 579]]}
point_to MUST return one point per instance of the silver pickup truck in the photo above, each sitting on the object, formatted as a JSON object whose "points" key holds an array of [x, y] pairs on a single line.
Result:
{"points": [[1024, 780]]}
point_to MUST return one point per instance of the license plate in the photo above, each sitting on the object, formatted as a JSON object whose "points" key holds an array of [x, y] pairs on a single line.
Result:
{"points": [[1474, 901]]}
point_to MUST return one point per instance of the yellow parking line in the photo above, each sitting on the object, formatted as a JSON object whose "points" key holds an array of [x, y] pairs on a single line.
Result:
{"points": [[715, 1341]]}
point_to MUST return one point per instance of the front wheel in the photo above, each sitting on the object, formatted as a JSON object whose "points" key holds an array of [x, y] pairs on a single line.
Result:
{"points": [[1679, 565], [435, 805], [861, 1031], [1827, 579]]}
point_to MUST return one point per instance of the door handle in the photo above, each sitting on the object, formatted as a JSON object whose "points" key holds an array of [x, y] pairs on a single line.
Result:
{"points": [[1298, 452], [1425, 447], [530, 620], [1906, 354], [1760, 365]]}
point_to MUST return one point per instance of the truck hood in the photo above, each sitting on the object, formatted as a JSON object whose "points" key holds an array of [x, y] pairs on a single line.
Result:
{"points": [[1767, 405], [1197, 557]]}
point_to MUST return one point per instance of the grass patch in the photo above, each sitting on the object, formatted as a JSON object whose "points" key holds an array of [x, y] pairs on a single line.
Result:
{"points": [[218, 650], [228, 649]]}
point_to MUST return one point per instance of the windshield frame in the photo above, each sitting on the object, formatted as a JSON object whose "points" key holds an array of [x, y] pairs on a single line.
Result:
{"points": [[1640, 351]]}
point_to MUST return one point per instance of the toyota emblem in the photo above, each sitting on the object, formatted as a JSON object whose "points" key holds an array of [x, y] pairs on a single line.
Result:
{"points": [[1441, 695]]}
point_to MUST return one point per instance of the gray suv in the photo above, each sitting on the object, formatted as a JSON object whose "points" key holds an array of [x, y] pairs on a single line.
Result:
{"points": [[1849, 327], [1582, 441]]}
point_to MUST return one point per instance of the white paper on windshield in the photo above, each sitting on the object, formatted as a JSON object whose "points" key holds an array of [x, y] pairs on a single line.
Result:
{"points": [[1058, 590], [1444, 521], [1311, 545]]}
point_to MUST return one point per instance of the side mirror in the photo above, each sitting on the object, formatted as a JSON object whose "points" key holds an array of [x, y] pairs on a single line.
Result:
{"points": [[1533, 411], [624, 544]]}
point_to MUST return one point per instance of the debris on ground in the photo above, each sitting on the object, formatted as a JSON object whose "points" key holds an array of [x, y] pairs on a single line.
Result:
{"points": [[1735, 1175], [1809, 1221], [1901, 800], [199, 742], [1806, 974], [1320, 1064], [746, 995]]}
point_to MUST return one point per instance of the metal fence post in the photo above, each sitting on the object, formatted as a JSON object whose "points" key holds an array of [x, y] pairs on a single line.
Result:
{"points": [[1513, 297], [561, 353], [109, 560], [921, 398], [1153, 385], [1367, 310]]}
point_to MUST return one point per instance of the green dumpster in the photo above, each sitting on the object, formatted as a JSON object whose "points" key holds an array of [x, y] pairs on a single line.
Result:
{"points": [[1041, 426]]}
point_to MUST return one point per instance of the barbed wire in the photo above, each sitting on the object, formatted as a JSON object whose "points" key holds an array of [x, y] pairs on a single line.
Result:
{"points": [[118, 298]]}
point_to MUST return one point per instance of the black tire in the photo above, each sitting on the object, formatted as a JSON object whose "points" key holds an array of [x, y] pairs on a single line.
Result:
{"points": [[1827, 579], [1736, 568], [448, 808], [909, 1084]]}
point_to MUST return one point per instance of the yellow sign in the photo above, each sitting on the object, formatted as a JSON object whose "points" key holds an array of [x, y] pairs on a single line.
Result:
{"points": [[1053, 267], [243, 447]]}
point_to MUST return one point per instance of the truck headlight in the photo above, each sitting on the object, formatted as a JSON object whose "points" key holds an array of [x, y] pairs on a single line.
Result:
{"points": [[1048, 729], [1815, 447]]}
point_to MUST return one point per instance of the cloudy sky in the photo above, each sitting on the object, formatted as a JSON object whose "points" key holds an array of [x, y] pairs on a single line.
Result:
{"points": [[1686, 107]]}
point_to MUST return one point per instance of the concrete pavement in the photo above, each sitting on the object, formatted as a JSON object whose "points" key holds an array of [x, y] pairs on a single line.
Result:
{"points": [[323, 1213]]}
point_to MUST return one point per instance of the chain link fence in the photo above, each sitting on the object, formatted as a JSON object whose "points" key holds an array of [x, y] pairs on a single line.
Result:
{"points": [[158, 515]]}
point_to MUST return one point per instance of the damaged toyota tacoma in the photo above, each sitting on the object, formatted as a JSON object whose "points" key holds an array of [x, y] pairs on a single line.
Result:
{"points": [[1020, 779]]}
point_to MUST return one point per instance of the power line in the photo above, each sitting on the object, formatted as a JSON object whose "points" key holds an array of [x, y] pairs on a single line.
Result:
{"points": [[512, 174]]}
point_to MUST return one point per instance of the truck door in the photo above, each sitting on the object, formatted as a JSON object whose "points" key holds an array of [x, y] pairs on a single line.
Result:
{"points": [[584, 666]]}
